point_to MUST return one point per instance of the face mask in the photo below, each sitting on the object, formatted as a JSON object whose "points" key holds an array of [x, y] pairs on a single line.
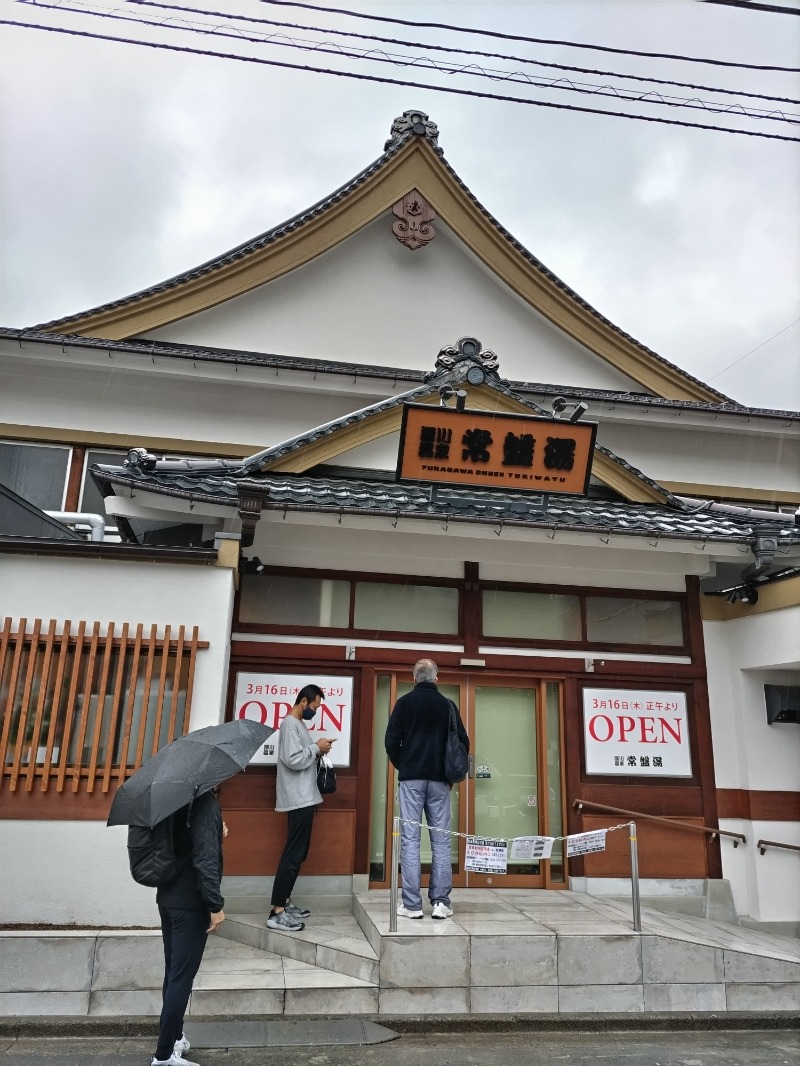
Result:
{"points": [[308, 714]]}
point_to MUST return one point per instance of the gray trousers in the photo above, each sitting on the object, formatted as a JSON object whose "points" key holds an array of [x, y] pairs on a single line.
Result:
{"points": [[432, 797]]}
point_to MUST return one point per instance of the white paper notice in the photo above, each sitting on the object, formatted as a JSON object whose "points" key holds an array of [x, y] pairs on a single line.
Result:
{"points": [[531, 847], [486, 856], [585, 843]]}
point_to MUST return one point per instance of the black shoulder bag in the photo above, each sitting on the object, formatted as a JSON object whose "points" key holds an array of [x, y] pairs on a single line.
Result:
{"points": [[456, 759]]}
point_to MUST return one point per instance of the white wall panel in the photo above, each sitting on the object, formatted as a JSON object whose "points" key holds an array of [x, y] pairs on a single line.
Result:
{"points": [[370, 300], [70, 873]]}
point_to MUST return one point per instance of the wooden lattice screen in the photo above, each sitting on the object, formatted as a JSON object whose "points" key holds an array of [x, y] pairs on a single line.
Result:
{"points": [[84, 708]]}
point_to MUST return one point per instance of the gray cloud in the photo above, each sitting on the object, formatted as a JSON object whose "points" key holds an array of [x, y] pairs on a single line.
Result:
{"points": [[124, 166]]}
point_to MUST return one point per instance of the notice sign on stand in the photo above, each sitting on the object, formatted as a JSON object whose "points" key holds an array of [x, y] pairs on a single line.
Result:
{"points": [[586, 843], [532, 847], [486, 856]]}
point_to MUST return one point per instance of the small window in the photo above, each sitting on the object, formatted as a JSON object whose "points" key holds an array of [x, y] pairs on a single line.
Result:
{"points": [[531, 615], [280, 600], [36, 472], [619, 620], [388, 607]]}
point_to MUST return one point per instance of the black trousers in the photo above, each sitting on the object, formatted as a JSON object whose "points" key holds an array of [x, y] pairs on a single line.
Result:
{"points": [[298, 841], [184, 934]]}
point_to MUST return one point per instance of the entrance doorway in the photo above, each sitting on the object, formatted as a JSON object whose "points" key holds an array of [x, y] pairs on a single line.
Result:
{"points": [[515, 786]]}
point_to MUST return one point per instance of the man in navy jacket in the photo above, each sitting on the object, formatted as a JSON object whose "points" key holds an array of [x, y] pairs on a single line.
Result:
{"points": [[415, 742]]}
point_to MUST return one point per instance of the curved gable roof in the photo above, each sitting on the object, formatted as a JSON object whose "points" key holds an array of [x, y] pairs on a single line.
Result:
{"points": [[411, 160]]}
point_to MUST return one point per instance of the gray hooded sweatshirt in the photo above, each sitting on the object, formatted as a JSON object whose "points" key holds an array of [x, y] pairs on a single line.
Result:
{"points": [[297, 767]]}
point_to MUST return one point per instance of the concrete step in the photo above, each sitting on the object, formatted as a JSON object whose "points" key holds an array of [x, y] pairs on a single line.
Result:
{"points": [[332, 942]]}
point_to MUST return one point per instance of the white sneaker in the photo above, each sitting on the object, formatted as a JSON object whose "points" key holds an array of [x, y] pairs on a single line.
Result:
{"points": [[182, 1045], [404, 912], [174, 1060], [441, 910]]}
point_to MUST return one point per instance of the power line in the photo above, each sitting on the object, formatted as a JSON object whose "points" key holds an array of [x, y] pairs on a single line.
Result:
{"points": [[520, 37], [772, 8], [650, 96], [742, 357], [452, 49], [395, 81]]}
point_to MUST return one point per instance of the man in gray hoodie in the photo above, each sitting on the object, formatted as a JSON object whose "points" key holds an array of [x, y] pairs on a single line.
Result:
{"points": [[298, 795]]}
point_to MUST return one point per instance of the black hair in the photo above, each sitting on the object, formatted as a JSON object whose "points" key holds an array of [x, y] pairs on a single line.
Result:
{"points": [[310, 693]]}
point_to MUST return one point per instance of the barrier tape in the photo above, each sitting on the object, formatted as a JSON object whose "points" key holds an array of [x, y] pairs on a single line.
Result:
{"points": [[484, 836]]}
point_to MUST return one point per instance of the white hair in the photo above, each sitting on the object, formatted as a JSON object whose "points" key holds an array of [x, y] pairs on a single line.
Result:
{"points": [[425, 670]]}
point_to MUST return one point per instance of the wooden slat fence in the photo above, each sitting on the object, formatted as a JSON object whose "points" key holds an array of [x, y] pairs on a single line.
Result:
{"points": [[83, 707]]}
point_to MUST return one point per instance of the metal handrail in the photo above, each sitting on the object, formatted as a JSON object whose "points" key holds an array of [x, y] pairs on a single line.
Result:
{"points": [[762, 845], [736, 837]]}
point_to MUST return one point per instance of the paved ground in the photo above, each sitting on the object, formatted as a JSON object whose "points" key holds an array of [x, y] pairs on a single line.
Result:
{"points": [[746, 1048]]}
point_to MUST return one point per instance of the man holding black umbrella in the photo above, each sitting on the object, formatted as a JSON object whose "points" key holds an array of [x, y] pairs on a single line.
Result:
{"points": [[190, 908], [179, 783]]}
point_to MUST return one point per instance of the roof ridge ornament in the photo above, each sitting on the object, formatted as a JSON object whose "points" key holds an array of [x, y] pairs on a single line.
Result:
{"points": [[413, 123], [468, 350]]}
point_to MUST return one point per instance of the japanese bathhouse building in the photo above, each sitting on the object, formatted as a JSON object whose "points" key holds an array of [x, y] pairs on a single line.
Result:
{"points": [[405, 437]]}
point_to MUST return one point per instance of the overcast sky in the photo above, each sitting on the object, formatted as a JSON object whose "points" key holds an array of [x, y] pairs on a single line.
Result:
{"points": [[122, 166]]}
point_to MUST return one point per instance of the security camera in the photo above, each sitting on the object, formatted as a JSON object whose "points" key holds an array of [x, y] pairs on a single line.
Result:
{"points": [[579, 411]]}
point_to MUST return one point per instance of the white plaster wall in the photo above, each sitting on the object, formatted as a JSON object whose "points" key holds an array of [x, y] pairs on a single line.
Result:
{"points": [[765, 887], [440, 550], [370, 300], [249, 409], [742, 656], [70, 873], [106, 590], [706, 455]]}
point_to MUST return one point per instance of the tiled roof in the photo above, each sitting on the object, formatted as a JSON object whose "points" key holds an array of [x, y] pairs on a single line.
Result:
{"points": [[362, 496], [393, 146], [272, 361]]}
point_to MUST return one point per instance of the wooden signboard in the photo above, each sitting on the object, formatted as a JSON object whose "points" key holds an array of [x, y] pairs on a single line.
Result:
{"points": [[495, 451]]}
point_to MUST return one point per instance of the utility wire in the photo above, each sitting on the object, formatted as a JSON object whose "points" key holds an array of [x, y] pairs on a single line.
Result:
{"points": [[396, 81], [772, 8], [561, 84], [452, 49], [520, 37], [742, 357]]}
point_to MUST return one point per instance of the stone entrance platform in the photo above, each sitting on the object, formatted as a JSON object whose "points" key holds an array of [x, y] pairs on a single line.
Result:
{"points": [[504, 952]]}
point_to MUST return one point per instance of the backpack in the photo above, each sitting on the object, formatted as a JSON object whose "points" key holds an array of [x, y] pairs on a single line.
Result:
{"points": [[152, 855]]}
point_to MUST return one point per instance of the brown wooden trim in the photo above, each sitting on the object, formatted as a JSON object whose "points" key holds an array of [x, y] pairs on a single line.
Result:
{"points": [[30, 673], [87, 713], [364, 742], [115, 708], [127, 722], [70, 715], [100, 707], [55, 705], [758, 805], [44, 680], [471, 609], [75, 477], [162, 684]]}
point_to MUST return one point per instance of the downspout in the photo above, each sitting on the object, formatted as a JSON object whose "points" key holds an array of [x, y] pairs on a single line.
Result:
{"points": [[95, 521]]}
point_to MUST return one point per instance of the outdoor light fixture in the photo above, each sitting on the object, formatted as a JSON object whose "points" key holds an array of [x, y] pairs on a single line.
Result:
{"points": [[747, 594], [579, 409], [447, 392]]}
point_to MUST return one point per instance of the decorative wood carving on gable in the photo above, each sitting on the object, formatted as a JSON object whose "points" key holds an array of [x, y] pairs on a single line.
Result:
{"points": [[414, 215]]}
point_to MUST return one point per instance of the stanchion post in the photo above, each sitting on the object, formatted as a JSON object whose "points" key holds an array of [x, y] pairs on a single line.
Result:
{"points": [[637, 914], [393, 879]]}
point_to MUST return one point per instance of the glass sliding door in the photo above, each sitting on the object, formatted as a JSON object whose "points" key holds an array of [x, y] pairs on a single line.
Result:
{"points": [[515, 787]]}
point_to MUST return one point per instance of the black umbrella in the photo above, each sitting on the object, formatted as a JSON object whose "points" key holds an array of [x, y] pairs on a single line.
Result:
{"points": [[185, 769]]}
